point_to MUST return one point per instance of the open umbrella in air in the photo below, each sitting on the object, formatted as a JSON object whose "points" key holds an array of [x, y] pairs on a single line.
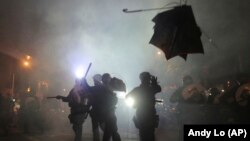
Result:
{"points": [[176, 32]]}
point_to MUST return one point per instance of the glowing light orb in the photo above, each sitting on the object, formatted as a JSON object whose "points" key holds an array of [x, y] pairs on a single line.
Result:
{"points": [[159, 53], [79, 73], [130, 101]]}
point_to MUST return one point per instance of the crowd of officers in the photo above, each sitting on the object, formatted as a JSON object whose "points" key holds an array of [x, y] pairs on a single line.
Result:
{"points": [[100, 102], [225, 103], [214, 105], [23, 113]]}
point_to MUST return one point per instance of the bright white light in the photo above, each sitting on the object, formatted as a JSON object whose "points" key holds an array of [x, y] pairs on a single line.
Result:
{"points": [[130, 101], [159, 53], [121, 95], [79, 72]]}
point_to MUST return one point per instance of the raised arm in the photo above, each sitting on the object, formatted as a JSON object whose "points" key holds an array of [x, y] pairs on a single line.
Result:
{"points": [[156, 88]]}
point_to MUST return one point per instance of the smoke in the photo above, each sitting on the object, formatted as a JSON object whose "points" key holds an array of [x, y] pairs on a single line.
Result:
{"points": [[63, 34], [80, 32]]}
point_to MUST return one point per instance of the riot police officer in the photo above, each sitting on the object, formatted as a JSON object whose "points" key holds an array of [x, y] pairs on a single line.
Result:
{"points": [[146, 119], [79, 107], [96, 101], [108, 110], [176, 96]]}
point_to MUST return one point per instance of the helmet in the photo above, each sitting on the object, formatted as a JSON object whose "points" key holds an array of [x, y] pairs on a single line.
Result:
{"points": [[106, 78], [145, 76], [97, 77]]}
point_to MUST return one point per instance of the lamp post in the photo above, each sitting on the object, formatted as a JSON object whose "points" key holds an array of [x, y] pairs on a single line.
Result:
{"points": [[27, 66], [13, 84]]}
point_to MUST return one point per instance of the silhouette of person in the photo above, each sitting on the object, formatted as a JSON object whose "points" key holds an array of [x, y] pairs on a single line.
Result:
{"points": [[228, 106], [145, 118], [213, 106], [108, 110], [30, 113], [6, 111], [79, 107], [188, 106], [96, 101], [177, 95]]}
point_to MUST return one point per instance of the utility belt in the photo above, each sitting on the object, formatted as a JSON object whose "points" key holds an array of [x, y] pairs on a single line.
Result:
{"points": [[77, 118], [78, 114], [144, 123], [79, 110]]}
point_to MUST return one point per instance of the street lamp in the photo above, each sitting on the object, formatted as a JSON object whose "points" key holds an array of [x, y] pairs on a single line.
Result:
{"points": [[27, 61], [28, 57], [26, 64]]}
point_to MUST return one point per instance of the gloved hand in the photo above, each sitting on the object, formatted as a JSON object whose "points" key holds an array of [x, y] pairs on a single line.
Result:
{"points": [[154, 80]]}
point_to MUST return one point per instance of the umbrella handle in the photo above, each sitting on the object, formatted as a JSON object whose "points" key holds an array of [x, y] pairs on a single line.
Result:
{"points": [[167, 6], [125, 10]]}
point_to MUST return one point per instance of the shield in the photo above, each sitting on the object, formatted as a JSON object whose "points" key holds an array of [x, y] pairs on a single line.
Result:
{"points": [[176, 32], [242, 95]]}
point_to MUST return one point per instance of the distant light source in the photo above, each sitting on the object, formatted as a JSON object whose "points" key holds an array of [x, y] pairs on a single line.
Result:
{"points": [[26, 63], [79, 73], [159, 53], [130, 101], [28, 57], [28, 89], [121, 95]]}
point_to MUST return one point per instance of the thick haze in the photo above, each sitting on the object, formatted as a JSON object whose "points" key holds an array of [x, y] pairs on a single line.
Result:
{"points": [[61, 34]]}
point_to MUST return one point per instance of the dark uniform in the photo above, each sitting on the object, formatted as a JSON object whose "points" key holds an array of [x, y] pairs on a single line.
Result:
{"points": [[108, 110], [30, 114], [146, 119], [79, 108], [6, 111], [187, 108], [96, 101], [190, 111]]}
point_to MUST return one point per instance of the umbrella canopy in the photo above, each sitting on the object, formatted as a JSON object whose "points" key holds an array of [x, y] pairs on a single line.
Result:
{"points": [[176, 32], [117, 84]]}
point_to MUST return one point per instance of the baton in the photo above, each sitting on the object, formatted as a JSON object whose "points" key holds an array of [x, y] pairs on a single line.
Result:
{"points": [[87, 70]]}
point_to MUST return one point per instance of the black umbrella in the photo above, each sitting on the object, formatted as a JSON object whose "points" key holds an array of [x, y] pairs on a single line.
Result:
{"points": [[176, 32]]}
